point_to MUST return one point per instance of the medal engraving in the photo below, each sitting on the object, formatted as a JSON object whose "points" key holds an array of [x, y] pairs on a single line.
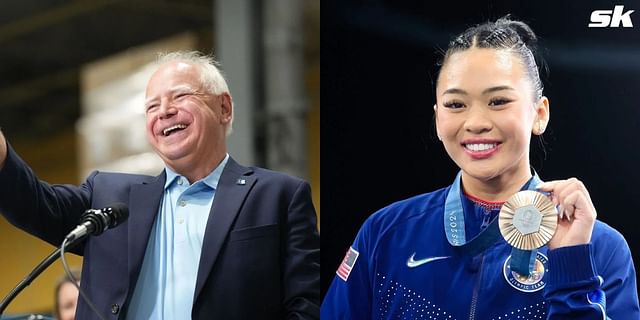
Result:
{"points": [[528, 220]]}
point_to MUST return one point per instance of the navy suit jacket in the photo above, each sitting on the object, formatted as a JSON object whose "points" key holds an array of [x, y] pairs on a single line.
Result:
{"points": [[260, 253]]}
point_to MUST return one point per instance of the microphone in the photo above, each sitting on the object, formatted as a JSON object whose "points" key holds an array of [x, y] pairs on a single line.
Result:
{"points": [[96, 221]]}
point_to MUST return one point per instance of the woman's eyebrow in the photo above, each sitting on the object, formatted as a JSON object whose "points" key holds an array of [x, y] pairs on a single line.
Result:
{"points": [[497, 88], [455, 91], [485, 91]]}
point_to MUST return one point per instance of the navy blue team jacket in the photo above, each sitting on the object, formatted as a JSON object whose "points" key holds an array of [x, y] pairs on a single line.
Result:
{"points": [[401, 266]]}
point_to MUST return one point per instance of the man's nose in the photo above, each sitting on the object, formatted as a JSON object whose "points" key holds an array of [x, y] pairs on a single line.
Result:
{"points": [[167, 110]]}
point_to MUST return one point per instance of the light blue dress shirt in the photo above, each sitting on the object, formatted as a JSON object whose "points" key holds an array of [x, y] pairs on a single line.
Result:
{"points": [[167, 281]]}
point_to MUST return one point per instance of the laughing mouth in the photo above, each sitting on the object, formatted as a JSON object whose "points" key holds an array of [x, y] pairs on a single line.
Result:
{"points": [[479, 147], [168, 131]]}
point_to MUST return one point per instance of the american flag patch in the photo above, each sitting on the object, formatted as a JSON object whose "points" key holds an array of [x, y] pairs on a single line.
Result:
{"points": [[347, 264]]}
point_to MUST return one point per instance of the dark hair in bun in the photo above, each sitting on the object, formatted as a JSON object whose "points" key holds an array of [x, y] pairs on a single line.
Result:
{"points": [[506, 34]]}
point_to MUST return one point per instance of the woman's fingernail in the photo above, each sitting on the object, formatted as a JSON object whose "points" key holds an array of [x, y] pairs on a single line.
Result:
{"points": [[561, 211]]}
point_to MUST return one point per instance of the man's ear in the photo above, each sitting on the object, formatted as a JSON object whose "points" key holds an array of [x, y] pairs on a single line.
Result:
{"points": [[226, 107]]}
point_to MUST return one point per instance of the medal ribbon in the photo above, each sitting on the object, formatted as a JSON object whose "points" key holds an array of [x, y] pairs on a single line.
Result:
{"points": [[522, 261]]}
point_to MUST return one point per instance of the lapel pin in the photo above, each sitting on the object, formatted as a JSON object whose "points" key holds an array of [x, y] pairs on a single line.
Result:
{"points": [[241, 182]]}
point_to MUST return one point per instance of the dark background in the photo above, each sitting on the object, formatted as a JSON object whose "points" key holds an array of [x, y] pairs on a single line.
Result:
{"points": [[378, 138]]}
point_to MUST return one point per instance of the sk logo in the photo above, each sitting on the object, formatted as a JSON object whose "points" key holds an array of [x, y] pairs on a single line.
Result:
{"points": [[611, 18]]}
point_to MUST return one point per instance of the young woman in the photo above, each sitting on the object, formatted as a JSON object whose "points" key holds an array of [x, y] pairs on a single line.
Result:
{"points": [[438, 255]]}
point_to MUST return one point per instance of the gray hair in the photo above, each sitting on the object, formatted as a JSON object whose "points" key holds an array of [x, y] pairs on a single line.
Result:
{"points": [[211, 76]]}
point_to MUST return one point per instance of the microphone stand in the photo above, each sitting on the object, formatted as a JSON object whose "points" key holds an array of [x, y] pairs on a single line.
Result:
{"points": [[95, 222], [36, 272]]}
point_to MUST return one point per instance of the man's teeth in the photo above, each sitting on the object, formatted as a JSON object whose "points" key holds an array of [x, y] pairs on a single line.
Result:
{"points": [[177, 126], [480, 146]]}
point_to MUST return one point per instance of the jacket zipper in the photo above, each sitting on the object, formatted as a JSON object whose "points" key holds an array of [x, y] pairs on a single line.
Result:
{"points": [[474, 297]]}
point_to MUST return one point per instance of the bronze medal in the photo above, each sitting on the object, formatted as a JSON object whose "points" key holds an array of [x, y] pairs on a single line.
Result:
{"points": [[528, 220]]}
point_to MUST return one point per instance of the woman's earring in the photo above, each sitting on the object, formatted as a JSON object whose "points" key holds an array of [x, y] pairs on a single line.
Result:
{"points": [[541, 127]]}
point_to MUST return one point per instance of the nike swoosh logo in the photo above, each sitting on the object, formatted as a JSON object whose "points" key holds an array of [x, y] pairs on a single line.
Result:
{"points": [[415, 263]]}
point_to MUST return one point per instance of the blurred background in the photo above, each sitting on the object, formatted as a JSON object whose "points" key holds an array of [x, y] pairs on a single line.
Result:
{"points": [[378, 138], [72, 80]]}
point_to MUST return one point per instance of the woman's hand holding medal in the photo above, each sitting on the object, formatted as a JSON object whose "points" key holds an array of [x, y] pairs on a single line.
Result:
{"points": [[576, 213]]}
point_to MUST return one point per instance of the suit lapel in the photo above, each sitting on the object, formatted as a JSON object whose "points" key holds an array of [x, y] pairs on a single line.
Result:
{"points": [[235, 183], [144, 203]]}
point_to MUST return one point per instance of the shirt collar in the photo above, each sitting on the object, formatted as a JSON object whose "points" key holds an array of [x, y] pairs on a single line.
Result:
{"points": [[210, 180]]}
